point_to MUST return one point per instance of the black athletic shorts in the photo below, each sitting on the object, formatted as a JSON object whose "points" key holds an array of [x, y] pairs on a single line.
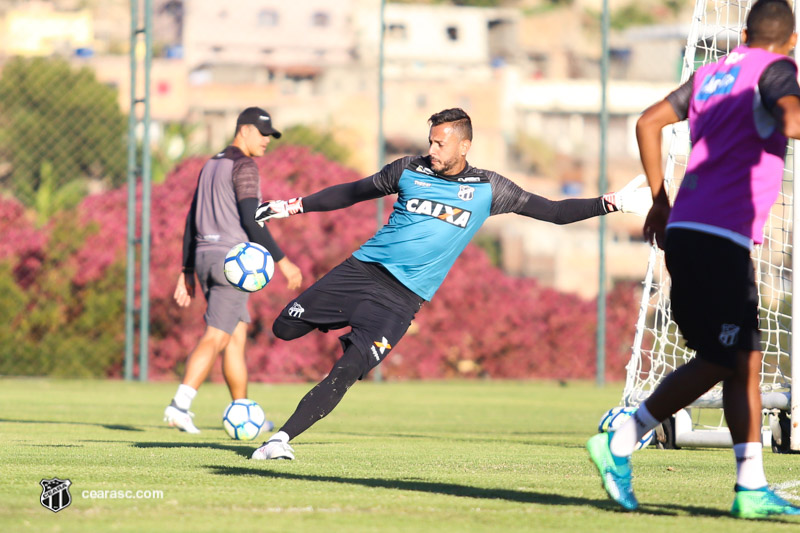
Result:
{"points": [[366, 297], [714, 299]]}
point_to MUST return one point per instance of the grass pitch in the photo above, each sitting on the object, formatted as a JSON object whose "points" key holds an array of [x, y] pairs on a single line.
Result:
{"points": [[411, 457]]}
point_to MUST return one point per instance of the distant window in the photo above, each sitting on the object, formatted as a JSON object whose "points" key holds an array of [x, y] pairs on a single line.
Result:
{"points": [[452, 33], [396, 32], [223, 14], [320, 19], [268, 17], [620, 54], [217, 49], [422, 100]]}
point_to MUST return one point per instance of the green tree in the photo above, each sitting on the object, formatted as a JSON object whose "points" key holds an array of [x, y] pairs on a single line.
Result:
{"points": [[60, 128], [631, 15], [172, 148], [318, 140], [51, 325]]}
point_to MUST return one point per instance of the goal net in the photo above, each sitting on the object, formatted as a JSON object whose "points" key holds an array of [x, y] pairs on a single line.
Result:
{"points": [[658, 346]]}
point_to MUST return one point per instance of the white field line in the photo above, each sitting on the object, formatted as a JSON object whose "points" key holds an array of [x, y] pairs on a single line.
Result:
{"points": [[784, 489]]}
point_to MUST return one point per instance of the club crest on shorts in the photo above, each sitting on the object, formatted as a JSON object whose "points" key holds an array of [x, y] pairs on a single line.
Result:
{"points": [[729, 334], [466, 193], [55, 494], [296, 310]]}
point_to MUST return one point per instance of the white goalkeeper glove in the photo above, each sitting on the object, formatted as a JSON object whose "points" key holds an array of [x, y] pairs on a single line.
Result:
{"points": [[631, 198], [278, 209]]}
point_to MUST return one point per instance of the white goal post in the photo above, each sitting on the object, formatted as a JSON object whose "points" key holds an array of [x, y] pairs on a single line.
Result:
{"points": [[658, 347]]}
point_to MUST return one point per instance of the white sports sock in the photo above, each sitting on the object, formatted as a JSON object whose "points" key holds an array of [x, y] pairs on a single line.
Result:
{"points": [[629, 433], [184, 396], [281, 436], [749, 465]]}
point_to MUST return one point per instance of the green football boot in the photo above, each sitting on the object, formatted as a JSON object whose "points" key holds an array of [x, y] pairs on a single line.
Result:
{"points": [[615, 472]]}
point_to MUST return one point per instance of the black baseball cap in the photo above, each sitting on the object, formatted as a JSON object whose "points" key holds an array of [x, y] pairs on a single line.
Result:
{"points": [[260, 119]]}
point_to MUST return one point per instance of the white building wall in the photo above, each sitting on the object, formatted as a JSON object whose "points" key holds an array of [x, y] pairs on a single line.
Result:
{"points": [[269, 32]]}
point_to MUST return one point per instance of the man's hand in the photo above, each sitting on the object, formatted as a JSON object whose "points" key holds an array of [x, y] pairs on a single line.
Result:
{"points": [[655, 225], [293, 275], [631, 198], [184, 289], [278, 209]]}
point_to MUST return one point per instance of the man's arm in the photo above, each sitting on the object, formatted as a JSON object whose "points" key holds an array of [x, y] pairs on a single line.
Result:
{"points": [[508, 197], [382, 183], [780, 95], [261, 235], [789, 107], [189, 241], [245, 185], [561, 211], [648, 135], [328, 199], [184, 287], [256, 233], [341, 196]]}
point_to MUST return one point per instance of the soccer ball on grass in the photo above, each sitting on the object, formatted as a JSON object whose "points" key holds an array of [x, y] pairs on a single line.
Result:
{"points": [[615, 417], [245, 420], [249, 266]]}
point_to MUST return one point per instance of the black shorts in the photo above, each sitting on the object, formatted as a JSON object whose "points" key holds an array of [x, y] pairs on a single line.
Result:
{"points": [[366, 297], [714, 299]]}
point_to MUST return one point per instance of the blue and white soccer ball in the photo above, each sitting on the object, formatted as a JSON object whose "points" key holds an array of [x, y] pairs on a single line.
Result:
{"points": [[249, 266], [244, 420], [615, 417]]}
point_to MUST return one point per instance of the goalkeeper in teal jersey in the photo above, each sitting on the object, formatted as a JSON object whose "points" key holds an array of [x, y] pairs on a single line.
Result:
{"points": [[441, 202]]}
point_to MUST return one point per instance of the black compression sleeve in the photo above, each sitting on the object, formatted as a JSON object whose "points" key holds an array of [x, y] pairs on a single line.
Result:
{"points": [[247, 210], [562, 211], [323, 398], [778, 80], [340, 196], [681, 97], [189, 241]]}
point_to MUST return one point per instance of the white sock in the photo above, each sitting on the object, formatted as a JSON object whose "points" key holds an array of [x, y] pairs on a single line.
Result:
{"points": [[629, 433], [749, 465], [281, 436], [184, 396]]}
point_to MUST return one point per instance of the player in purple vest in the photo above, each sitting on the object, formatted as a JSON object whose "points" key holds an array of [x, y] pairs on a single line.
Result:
{"points": [[741, 110]]}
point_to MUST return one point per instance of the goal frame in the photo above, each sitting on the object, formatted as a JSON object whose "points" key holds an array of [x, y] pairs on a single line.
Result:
{"points": [[682, 432]]}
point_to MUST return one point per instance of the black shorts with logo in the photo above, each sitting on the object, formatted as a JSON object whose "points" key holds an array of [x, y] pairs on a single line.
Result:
{"points": [[366, 297], [714, 299]]}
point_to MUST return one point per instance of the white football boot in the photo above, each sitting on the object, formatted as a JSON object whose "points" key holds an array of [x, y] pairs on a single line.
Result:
{"points": [[178, 418], [274, 449]]}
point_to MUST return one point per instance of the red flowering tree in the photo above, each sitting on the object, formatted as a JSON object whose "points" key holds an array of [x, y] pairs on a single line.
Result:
{"points": [[480, 323]]}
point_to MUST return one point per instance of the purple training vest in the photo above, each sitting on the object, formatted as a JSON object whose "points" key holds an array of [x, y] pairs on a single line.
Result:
{"points": [[736, 165]]}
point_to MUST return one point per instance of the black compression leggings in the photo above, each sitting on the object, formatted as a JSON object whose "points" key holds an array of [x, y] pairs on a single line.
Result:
{"points": [[322, 399]]}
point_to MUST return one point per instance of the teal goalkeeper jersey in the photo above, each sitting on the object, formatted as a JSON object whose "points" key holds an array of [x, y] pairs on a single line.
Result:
{"points": [[433, 219]]}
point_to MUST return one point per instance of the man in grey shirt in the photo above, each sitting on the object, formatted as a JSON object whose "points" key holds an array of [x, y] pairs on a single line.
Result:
{"points": [[221, 216]]}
